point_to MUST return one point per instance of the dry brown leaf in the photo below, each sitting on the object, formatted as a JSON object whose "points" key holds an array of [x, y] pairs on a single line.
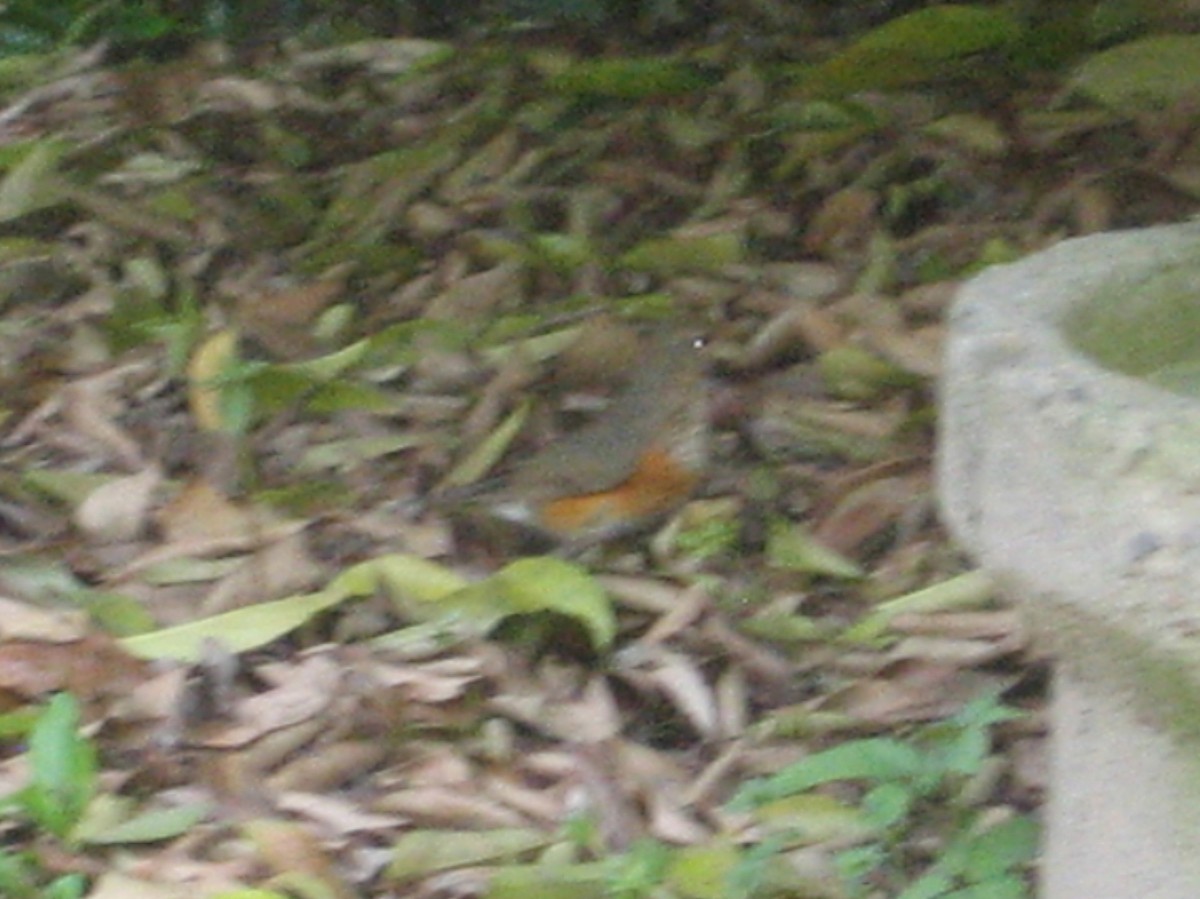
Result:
{"points": [[442, 680], [759, 661], [289, 849], [119, 510], [690, 604], [457, 806], [129, 216], [120, 885], [496, 398], [272, 572], [865, 512], [267, 532], [599, 787], [337, 815], [918, 351], [21, 621], [91, 668], [429, 763], [910, 690], [237, 94], [90, 408], [844, 222], [200, 512], [160, 698], [537, 802], [733, 703], [657, 670], [961, 653], [282, 320], [799, 328], [668, 821], [589, 718], [1031, 766], [327, 767], [471, 299], [310, 688], [997, 624], [238, 775], [643, 594], [476, 175]]}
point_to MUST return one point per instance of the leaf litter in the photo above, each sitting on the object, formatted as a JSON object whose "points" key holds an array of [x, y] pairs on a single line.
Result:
{"points": [[255, 320]]}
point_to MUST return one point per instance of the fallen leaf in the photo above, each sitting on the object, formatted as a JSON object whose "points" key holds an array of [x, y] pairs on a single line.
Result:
{"points": [[22, 621], [119, 510], [199, 512], [210, 362], [310, 688], [90, 668]]}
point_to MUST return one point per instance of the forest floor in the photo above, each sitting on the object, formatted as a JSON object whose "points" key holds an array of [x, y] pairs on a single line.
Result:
{"points": [[266, 323]]}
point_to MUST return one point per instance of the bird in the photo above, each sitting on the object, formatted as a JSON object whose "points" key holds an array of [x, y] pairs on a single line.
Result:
{"points": [[640, 459]]}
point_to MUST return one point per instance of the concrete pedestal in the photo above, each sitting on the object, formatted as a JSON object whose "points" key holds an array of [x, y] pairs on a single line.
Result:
{"points": [[1074, 477]]}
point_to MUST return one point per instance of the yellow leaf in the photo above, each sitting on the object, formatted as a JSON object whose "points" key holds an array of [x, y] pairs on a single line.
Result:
{"points": [[209, 362]]}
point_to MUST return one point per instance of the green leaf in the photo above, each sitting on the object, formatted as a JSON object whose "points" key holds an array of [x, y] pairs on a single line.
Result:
{"points": [[961, 744], [49, 580], [984, 711], [150, 826], [548, 584], [915, 48], [17, 723], [934, 884], [17, 876], [971, 590], [343, 395], [484, 456], [811, 817], [682, 254], [703, 871], [408, 579], [331, 365], [888, 804], [70, 487], [857, 864], [237, 631], [445, 605], [637, 872], [943, 32], [587, 880], [69, 886], [63, 768], [790, 547], [997, 851], [877, 760], [32, 182], [629, 78], [1153, 73], [1011, 887], [423, 852], [355, 451], [421, 589], [989, 862], [853, 373]]}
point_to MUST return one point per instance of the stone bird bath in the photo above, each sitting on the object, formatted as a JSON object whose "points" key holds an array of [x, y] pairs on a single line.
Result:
{"points": [[1069, 466]]}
